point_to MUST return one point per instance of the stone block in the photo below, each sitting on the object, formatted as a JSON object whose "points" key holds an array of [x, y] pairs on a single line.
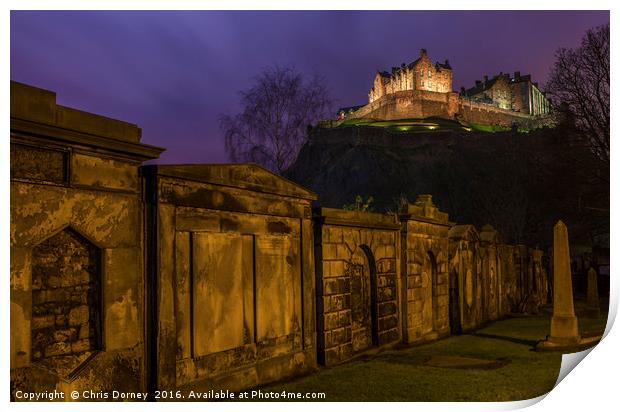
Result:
{"points": [[336, 268], [327, 304], [386, 265], [346, 351], [338, 302], [61, 320], [328, 339], [345, 318], [388, 336], [81, 345], [335, 234], [332, 321], [79, 315], [39, 322], [330, 251], [339, 336], [343, 252], [385, 294], [64, 335], [330, 286], [58, 349], [387, 322], [332, 356], [386, 308], [84, 332]]}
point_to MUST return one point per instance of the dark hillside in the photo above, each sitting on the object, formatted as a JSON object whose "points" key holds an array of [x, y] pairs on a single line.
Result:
{"points": [[521, 183]]}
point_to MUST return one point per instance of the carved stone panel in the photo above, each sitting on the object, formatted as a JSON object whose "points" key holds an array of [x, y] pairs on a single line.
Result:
{"points": [[39, 164]]}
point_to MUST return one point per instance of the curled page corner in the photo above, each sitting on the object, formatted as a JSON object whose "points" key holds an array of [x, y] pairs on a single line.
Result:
{"points": [[611, 313], [569, 362]]}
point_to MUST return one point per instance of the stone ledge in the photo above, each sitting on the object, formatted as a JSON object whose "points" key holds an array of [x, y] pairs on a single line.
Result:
{"points": [[341, 217]]}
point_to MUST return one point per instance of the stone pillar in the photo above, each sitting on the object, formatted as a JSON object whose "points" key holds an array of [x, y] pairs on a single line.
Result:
{"points": [[564, 328], [593, 303]]}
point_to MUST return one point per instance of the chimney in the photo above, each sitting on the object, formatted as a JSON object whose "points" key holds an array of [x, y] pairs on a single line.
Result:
{"points": [[422, 52], [517, 76], [462, 89], [486, 78], [478, 83]]}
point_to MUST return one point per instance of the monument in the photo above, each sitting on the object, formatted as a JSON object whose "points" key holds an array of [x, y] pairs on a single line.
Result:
{"points": [[593, 307], [564, 326]]}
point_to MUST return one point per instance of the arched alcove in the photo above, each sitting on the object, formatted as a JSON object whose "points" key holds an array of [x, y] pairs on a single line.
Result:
{"points": [[66, 301], [364, 324], [374, 309], [434, 292], [454, 303]]}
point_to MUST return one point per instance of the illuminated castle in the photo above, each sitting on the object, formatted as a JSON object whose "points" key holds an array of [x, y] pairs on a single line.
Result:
{"points": [[423, 89]]}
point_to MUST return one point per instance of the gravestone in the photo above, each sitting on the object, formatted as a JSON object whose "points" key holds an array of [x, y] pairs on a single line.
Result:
{"points": [[593, 307], [564, 326]]}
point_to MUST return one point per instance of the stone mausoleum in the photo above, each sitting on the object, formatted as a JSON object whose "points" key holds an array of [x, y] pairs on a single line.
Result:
{"points": [[136, 278]]}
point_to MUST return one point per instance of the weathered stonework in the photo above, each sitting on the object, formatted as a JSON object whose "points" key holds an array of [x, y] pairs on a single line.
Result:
{"points": [[243, 284], [424, 271], [66, 302], [231, 255], [465, 278], [77, 284], [357, 282]]}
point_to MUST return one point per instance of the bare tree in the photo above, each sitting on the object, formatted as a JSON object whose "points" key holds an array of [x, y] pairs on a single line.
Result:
{"points": [[580, 81], [277, 113]]}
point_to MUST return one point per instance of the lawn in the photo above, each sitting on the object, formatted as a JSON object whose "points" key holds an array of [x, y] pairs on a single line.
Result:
{"points": [[402, 375], [431, 124], [488, 128]]}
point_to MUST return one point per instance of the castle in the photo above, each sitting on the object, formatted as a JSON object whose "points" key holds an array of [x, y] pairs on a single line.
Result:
{"points": [[423, 89]]}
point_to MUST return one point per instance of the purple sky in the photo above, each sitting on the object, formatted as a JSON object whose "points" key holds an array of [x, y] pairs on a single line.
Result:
{"points": [[174, 73]]}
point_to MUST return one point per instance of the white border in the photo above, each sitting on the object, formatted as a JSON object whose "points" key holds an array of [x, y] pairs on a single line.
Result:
{"points": [[591, 386]]}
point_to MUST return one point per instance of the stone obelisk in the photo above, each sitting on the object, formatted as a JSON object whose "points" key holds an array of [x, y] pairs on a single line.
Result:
{"points": [[593, 307], [564, 330]]}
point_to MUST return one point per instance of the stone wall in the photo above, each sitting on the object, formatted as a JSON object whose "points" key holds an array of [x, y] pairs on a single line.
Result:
{"points": [[492, 279], [66, 301], [76, 235], [424, 271], [466, 278], [422, 104], [410, 104], [220, 276], [484, 113], [232, 258], [357, 282]]}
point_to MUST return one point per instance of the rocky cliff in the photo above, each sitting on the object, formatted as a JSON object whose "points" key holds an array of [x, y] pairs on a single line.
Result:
{"points": [[521, 183]]}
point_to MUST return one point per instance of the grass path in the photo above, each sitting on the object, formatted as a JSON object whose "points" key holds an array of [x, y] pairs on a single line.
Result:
{"points": [[401, 375]]}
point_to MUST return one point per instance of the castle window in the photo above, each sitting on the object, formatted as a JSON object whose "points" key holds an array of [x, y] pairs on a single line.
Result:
{"points": [[430, 74]]}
